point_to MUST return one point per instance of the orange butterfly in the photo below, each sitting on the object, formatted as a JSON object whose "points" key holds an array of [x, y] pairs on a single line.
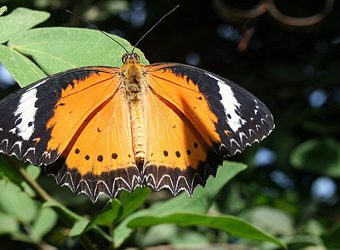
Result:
{"points": [[104, 129]]}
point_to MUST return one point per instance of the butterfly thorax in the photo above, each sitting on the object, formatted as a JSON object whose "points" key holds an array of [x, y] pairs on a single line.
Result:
{"points": [[134, 86], [132, 80]]}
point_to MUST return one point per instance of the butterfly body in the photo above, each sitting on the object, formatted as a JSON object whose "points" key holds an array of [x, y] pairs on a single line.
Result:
{"points": [[135, 88], [104, 129]]}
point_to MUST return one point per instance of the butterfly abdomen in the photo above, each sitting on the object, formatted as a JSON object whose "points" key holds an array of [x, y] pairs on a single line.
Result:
{"points": [[134, 87], [138, 132]]}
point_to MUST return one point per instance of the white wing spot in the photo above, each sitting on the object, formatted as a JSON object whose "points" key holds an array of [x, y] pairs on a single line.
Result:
{"points": [[26, 111], [230, 104]]}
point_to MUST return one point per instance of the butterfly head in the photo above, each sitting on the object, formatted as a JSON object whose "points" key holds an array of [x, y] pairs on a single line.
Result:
{"points": [[130, 57]]}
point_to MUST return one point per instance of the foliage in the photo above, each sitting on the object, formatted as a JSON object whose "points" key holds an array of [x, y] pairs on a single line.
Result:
{"points": [[272, 203]]}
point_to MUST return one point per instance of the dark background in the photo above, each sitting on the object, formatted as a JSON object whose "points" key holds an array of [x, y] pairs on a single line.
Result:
{"points": [[294, 70]]}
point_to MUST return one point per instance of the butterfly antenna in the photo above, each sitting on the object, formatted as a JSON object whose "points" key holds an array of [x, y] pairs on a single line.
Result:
{"points": [[160, 20], [95, 27]]}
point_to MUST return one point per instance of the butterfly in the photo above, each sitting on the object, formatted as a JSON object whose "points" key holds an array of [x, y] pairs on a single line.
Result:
{"points": [[106, 129]]}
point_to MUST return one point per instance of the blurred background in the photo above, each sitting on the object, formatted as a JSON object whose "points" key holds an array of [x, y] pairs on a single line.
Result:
{"points": [[287, 53]]}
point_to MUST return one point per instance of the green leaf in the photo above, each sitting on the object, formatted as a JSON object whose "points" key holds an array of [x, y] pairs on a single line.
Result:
{"points": [[78, 227], [3, 9], [314, 227], [20, 236], [332, 238], [321, 156], [158, 235], [8, 171], [58, 49], [13, 201], [23, 70], [199, 203], [131, 201], [202, 198], [303, 241], [19, 20], [230, 224], [271, 220], [105, 218], [108, 217], [33, 172], [188, 239], [67, 212], [8, 224], [44, 222]]}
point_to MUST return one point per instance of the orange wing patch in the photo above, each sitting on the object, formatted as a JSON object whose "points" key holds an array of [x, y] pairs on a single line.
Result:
{"points": [[77, 102], [100, 158], [177, 156], [186, 97]]}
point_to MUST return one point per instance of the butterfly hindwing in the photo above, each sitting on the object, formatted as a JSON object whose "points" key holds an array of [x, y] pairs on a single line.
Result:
{"points": [[29, 129], [177, 157], [228, 117]]}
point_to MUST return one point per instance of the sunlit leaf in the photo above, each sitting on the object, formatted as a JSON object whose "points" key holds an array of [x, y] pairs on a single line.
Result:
{"points": [[8, 224], [23, 70], [230, 224], [78, 227], [3, 9], [85, 47], [19, 20], [44, 222]]}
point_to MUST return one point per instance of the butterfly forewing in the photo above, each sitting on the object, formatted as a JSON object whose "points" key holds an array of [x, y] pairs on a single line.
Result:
{"points": [[228, 117], [39, 121]]}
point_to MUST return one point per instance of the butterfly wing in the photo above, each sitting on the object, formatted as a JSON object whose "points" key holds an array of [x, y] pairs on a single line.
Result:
{"points": [[228, 117], [39, 120], [100, 159], [195, 118], [177, 156], [74, 122]]}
